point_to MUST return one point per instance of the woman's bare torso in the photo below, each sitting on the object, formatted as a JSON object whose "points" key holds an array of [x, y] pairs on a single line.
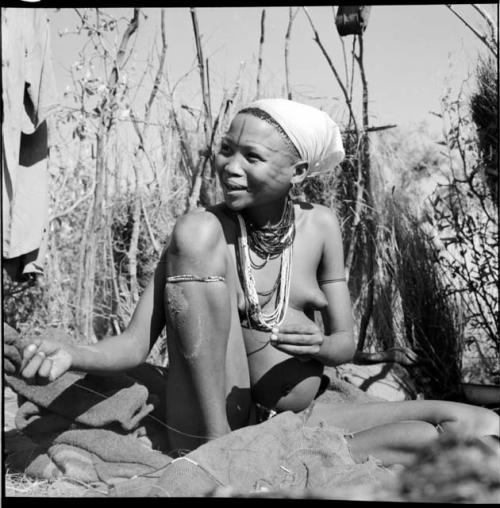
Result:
{"points": [[279, 380]]}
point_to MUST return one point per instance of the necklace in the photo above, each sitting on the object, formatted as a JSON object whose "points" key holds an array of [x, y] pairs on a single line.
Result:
{"points": [[256, 318], [269, 241]]}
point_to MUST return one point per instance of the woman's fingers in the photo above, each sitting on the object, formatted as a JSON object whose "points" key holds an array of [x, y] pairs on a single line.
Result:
{"points": [[28, 353], [303, 353], [298, 339], [45, 368], [33, 364], [44, 359], [60, 364], [299, 328]]}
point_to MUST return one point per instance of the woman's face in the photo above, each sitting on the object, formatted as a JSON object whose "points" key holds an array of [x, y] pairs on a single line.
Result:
{"points": [[253, 163]]}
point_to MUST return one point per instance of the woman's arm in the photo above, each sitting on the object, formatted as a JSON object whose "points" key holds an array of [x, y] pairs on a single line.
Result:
{"points": [[131, 347], [338, 345], [49, 359], [303, 338]]}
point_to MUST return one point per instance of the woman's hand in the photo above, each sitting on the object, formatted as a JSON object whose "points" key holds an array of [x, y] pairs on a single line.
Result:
{"points": [[302, 340], [46, 360]]}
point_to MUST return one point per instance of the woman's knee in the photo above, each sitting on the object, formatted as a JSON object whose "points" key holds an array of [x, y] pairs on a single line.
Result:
{"points": [[474, 420], [198, 240], [483, 422]]}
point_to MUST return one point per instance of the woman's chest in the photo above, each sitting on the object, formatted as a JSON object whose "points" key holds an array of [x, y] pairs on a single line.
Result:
{"points": [[267, 276]]}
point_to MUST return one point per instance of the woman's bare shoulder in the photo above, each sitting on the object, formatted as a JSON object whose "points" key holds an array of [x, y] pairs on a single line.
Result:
{"points": [[319, 215], [202, 215]]}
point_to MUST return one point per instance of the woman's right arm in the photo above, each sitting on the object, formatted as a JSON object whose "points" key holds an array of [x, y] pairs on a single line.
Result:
{"points": [[49, 359]]}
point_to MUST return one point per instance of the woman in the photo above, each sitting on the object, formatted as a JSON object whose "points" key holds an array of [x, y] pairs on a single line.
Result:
{"points": [[237, 288]]}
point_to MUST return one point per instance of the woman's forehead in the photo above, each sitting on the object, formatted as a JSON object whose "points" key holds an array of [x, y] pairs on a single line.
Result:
{"points": [[247, 129]]}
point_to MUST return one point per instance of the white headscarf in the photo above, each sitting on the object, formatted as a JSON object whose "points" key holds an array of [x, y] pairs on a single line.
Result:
{"points": [[315, 135]]}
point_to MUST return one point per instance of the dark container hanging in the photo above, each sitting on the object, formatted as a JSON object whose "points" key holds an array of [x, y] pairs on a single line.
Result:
{"points": [[352, 19]]}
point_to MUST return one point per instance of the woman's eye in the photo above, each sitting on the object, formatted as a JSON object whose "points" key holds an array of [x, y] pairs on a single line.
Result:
{"points": [[254, 157], [224, 149]]}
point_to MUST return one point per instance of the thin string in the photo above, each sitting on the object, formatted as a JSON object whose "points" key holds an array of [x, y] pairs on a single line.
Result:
{"points": [[147, 416]]}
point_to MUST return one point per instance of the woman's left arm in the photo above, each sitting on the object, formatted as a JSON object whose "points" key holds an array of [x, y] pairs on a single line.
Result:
{"points": [[338, 343], [304, 339]]}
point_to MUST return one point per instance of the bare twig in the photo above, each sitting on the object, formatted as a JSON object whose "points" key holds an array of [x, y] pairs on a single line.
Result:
{"points": [[344, 54], [372, 129], [232, 98], [369, 218], [139, 153], [159, 72], [480, 36], [261, 47], [356, 220], [351, 80], [201, 67], [154, 242], [142, 143], [75, 205], [332, 67], [209, 94], [120, 56], [291, 17], [488, 20]]}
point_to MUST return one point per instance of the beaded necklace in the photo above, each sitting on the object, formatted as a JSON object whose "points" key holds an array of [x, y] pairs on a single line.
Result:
{"points": [[281, 245], [269, 241]]}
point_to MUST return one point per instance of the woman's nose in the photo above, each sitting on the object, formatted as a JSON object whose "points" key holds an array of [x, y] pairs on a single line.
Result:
{"points": [[232, 166]]}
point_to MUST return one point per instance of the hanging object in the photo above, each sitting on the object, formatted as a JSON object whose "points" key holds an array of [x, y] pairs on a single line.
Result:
{"points": [[352, 19]]}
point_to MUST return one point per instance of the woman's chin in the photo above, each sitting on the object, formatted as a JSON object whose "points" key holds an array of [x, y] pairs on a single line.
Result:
{"points": [[234, 204]]}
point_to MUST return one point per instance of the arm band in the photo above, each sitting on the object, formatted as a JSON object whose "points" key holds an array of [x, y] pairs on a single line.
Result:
{"points": [[195, 278], [327, 281]]}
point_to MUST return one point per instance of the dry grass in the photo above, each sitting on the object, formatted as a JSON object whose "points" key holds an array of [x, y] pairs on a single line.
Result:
{"points": [[20, 485]]}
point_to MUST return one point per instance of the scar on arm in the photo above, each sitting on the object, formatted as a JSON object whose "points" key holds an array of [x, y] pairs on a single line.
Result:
{"points": [[178, 310]]}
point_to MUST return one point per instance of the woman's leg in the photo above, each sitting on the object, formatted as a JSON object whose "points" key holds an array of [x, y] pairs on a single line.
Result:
{"points": [[392, 443], [394, 432], [208, 388], [355, 417]]}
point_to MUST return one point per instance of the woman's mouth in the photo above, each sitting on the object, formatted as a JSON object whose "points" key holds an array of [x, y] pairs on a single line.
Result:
{"points": [[233, 187]]}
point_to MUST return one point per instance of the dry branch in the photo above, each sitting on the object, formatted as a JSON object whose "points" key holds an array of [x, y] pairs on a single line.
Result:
{"points": [[201, 67], [261, 47], [159, 72], [140, 152], [332, 67], [369, 209], [493, 28], [154, 242], [291, 17], [346, 69], [120, 56], [372, 129], [75, 205], [491, 46]]}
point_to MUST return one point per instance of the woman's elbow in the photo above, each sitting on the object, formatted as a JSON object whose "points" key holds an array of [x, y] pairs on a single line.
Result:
{"points": [[347, 349], [340, 349], [135, 349]]}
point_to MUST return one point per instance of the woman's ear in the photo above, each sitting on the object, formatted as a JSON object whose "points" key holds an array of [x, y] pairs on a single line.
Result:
{"points": [[299, 171]]}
